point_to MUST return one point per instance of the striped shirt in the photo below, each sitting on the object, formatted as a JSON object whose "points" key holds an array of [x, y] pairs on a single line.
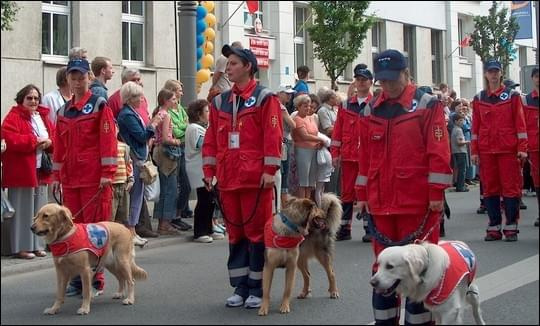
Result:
{"points": [[123, 167]]}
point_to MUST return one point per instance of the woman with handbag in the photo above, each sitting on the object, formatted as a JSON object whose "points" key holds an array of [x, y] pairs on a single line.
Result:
{"points": [[136, 135], [27, 167]]}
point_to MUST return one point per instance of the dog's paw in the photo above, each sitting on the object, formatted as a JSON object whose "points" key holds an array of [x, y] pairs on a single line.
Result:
{"points": [[118, 295], [50, 311], [334, 294], [263, 310], [304, 294], [83, 311], [128, 301], [285, 308]]}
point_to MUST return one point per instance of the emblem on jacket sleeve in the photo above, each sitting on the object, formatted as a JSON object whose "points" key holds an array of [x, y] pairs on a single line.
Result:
{"points": [[87, 108], [438, 132], [250, 102], [106, 127], [274, 121], [503, 96]]}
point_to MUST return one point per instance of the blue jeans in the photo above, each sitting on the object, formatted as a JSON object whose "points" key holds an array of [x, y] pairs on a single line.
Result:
{"points": [[136, 196], [184, 188], [165, 208]]}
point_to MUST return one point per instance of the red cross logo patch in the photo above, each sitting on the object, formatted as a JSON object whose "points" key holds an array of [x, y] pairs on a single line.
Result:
{"points": [[274, 121], [438, 133]]}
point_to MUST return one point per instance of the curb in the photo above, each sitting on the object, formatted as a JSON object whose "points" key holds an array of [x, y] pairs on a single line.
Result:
{"points": [[47, 262]]}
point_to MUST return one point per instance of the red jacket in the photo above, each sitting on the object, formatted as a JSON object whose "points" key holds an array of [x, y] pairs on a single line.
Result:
{"points": [[86, 145], [404, 156], [530, 107], [260, 136], [19, 159], [345, 134], [498, 124]]}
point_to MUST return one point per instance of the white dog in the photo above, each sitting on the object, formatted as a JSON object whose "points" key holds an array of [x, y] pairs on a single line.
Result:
{"points": [[441, 276]]}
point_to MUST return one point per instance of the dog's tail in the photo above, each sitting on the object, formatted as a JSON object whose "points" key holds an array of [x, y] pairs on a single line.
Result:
{"points": [[331, 205], [137, 272], [473, 298]]}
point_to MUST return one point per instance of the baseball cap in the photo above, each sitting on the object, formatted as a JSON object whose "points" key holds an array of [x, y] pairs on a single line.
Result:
{"points": [[227, 50], [286, 88], [510, 83], [362, 70], [534, 71], [389, 64], [79, 65], [492, 64]]}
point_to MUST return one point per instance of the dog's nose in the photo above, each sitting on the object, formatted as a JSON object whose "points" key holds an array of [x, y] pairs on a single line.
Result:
{"points": [[374, 282], [33, 228]]}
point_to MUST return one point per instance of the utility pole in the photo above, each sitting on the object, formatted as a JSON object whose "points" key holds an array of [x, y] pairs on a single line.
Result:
{"points": [[187, 14]]}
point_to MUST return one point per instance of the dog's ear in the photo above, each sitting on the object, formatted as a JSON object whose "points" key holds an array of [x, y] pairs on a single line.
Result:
{"points": [[288, 202], [65, 215], [415, 260]]}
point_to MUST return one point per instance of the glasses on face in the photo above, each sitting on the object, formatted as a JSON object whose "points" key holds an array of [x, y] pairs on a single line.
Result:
{"points": [[32, 98]]}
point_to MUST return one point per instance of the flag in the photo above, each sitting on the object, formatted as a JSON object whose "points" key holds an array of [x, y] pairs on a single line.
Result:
{"points": [[253, 6], [465, 42]]}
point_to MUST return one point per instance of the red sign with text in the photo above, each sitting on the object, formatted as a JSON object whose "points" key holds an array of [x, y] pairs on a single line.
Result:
{"points": [[259, 47]]}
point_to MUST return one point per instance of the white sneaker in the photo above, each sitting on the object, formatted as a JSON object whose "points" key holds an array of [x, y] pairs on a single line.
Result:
{"points": [[253, 302], [217, 229], [204, 239], [138, 241], [235, 301], [217, 236]]}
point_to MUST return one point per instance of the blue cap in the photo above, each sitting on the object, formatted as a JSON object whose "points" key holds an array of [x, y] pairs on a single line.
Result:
{"points": [[362, 70], [389, 64], [242, 53], [492, 64], [79, 65]]}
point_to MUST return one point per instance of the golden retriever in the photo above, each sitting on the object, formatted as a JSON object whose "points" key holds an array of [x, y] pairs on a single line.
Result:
{"points": [[418, 271], [54, 223]]}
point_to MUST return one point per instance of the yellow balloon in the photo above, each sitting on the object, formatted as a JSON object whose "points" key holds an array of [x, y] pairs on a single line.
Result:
{"points": [[210, 19], [202, 76], [208, 5], [208, 47], [209, 34], [207, 61]]}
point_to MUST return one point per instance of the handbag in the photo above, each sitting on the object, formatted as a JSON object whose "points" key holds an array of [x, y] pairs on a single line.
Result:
{"points": [[171, 151], [149, 172], [46, 162], [152, 190], [7, 209]]}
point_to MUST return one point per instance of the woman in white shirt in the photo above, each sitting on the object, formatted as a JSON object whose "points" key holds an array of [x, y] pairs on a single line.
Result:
{"points": [[198, 122]]}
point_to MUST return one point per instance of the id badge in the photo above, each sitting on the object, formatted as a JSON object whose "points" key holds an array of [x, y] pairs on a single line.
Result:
{"points": [[234, 140]]}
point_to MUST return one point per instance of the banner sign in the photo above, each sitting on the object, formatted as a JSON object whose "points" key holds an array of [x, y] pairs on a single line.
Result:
{"points": [[259, 47], [521, 10]]}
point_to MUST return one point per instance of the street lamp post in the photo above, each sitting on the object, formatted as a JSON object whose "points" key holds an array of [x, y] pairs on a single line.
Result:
{"points": [[187, 13]]}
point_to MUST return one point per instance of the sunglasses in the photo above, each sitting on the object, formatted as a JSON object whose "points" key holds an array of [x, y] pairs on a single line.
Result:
{"points": [[31, 98]]}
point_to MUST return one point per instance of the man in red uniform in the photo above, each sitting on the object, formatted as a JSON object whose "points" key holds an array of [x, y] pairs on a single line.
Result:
{"points": [[84, 159], [499, 142], [403, 169], [242, 149], [530, 107], [344, 146]]}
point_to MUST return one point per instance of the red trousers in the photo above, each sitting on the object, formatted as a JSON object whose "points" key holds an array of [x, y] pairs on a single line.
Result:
{"points": [[238, 206], [534, 160], [349, 172], [501, 175], [98, 209]]}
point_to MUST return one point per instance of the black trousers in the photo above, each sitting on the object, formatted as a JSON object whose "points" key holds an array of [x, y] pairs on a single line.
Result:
{"points": [[204, 211]]}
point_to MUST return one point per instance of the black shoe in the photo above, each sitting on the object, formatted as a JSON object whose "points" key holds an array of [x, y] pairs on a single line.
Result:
{"points": [[188, 214], [366, 238], [181, 225], [146, 233], [343, 236], [522, 205], [511, 237], [470, 182], [536, 223], [481, 210]]}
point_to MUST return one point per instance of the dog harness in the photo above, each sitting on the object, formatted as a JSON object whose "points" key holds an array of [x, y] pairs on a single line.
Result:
{"points": [[93, 237], [274, 240], [462, 264]]}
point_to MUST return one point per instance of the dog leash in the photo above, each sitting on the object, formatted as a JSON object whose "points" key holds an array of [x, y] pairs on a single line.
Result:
{"points": [[58, 197]]}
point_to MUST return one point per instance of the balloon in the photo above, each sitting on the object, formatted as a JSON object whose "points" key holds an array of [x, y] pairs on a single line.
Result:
{"points": [[202, 76], [201, 26], [209, 5], [208, 47], [209, 34], [207, 61], [210, 20], [199, 66], [199, 53], [200, 40], [201, 12]]}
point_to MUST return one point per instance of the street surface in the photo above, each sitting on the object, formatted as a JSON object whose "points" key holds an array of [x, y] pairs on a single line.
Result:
{"points": [[188, 283]]}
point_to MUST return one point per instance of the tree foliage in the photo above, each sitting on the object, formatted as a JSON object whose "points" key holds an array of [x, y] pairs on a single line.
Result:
{"points": [[9, 10], [494, 35], [338, 32]]}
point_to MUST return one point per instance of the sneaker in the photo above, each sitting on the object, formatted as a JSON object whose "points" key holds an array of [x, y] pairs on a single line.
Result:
{"points": [[222, 227], [235, 301], [72, 291], [203, 239], [481, 210], [343, 236], [217, 229], [183, 226], [138, 241], [217, 236], [96, 293], [493, 236], [511, 237], [522, 205], [253, 302]]}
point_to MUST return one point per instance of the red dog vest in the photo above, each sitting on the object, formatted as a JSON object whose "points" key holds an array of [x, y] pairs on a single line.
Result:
{"points": [[91, 237], [273, 240], [462, 263]]}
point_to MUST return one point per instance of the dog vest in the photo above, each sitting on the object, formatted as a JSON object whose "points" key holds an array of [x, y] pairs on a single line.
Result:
{"points": [[91, 237], [274, 240], [462, 264]]}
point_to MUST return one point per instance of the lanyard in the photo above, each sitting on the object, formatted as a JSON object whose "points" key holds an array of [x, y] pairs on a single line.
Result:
{"points": [[235, 111]]}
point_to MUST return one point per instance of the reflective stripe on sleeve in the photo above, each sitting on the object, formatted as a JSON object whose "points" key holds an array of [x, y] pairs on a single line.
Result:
{"points": [[418, 319], [270, 160], [441, 178], [209, 160], [108, 160], [522, 135], [335, 143], [237, 272], [361, 180], [257, 276]]}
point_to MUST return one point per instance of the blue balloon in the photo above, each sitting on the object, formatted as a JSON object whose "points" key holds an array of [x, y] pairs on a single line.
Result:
{"points": [[201, 12], [199, 53], [201, 26], [199, 66], [200, 40]]}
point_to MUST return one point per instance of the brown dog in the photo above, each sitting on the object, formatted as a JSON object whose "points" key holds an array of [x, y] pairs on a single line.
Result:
{"points": [[320, 244], [113, 240], [283, 233]]}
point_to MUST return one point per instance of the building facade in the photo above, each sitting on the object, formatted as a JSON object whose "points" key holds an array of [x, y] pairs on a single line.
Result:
{"points": [[142, 34]]}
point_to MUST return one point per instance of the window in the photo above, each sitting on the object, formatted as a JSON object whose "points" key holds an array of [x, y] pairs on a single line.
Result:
{"points": [[409, 48], [249, 17], [133, 31], [461, 36], [55, 31], [436, 56], [300, 17], [376, 39]]}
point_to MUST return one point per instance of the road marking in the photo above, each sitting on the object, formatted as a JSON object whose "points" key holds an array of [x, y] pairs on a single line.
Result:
{"points": [[497, 283]]}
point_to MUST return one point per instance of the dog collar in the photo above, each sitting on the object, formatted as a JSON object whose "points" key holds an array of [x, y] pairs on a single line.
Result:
{"points": [[288, 223]]}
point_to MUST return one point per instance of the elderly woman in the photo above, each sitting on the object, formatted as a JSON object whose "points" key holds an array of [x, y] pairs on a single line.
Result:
{"points": [[306, 144], [28, 132], [136, 135], [327, 112]]}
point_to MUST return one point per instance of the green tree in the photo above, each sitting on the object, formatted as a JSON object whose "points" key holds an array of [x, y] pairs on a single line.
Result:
{"points": [[494, 35], [338, 31], [9, 10]]}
